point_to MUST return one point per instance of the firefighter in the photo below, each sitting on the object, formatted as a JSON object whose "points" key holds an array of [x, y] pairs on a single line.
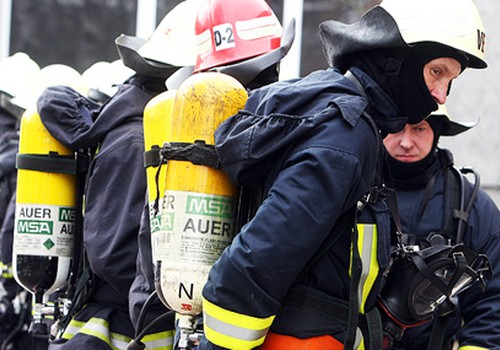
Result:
{"points": [[17, 73], [116, 184], [289, 280], [253, 62], [23, 105], [436, 200]]}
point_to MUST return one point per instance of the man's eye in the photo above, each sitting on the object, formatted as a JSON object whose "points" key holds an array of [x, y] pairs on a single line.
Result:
{"points": [[436, 71]]}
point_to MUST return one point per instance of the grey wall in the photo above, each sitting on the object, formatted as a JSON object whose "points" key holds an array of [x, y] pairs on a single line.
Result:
{"points": [[475, 95], [73, 32]]}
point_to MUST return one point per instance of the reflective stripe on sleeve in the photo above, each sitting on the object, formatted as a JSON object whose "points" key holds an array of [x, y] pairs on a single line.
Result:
{"points": [[471, 347], [367, 246], [232, 330], [97, 328], [159, 341]]}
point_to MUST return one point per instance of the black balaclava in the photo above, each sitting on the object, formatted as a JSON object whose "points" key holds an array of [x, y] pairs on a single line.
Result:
{"points": [[415, 99], [400, 73]]}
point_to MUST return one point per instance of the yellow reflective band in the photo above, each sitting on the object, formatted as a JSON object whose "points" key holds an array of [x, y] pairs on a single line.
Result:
{"points": [[232, 330], [367, 247], [7, 275], [6, 270], [159, 341], [97, 328], [471, 347], [359, 344]]}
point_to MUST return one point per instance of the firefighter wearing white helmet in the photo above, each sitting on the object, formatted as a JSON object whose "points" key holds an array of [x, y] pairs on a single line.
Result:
{"points": [[307, 270], [409, 36], [149, 58], [51, 75], [115, 190], [18, 72]]}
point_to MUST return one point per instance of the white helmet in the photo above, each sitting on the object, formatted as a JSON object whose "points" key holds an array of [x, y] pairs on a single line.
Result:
{"points": [[172, 44], [17, 73], [102, 78], [51, 75], [399, 23], [454, 23]]}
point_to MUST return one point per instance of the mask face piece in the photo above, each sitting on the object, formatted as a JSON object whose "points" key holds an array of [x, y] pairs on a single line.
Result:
{"points": [[422, 283]]}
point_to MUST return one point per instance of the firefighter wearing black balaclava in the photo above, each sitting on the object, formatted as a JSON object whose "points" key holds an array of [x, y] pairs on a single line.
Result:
{"points": [[437, 202], [115, 187], [288, 280]]}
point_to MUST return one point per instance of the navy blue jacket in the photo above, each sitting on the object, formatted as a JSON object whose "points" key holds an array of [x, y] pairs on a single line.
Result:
{"points": [[9, 143], [116, 181], [8, 177], [479, 311], [306, 143]]}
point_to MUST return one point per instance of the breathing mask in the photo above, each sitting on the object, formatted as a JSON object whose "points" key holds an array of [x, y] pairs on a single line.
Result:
{"points": [[423, 282]]}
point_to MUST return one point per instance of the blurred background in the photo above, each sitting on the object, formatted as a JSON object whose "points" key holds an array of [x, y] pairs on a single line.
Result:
{"points": [[81, 32]]}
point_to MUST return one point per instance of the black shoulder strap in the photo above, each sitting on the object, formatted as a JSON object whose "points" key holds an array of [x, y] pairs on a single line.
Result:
{"points": [[452, 199], [459, 200], [458, 203]]}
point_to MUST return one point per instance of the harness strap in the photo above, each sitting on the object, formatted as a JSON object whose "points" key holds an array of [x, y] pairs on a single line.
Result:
{"points": [[152, 157], [337, 310], [198, 153], [427, 196], [50, 163], [334, 308], [6, 103]]}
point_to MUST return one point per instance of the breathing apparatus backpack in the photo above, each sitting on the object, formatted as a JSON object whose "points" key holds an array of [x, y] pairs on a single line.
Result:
{"points": [[426, 278], [48, 219], [192, 201]]}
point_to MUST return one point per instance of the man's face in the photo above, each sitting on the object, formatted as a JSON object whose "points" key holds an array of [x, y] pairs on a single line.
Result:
{"points": [[411, 144], [438, 74]]}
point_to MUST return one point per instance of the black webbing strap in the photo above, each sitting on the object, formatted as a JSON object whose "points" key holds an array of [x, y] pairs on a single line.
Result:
{"points": [[6, 103], [152, 157], [334, 308], [198, 153], [49, 163], [438, 332], [451, 199], [427, 196], [356, 269], [81, 280], [372, 322], [463, 214]]}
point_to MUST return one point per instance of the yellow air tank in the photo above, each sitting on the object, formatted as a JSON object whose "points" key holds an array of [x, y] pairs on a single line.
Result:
{"points": [[198, 209], [45, 210]]}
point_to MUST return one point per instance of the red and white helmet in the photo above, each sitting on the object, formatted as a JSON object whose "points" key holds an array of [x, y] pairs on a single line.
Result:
{"points": [[229, 31]]}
